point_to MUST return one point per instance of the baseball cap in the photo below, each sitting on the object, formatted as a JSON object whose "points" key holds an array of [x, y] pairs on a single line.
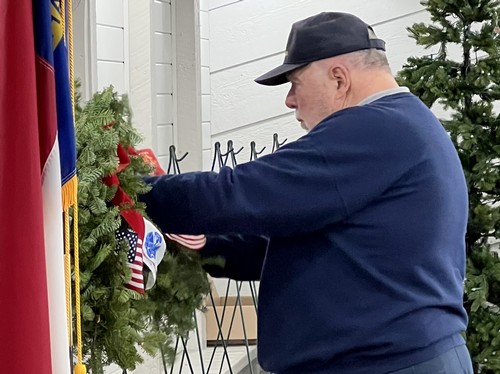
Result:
{"points": [[324, 35]]}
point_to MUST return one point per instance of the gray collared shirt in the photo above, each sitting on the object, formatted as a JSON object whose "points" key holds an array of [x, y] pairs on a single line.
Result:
{"points": [[379, 95]]}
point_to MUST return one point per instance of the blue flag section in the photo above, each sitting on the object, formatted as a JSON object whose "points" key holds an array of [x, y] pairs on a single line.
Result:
{"points": [[65, 125]]}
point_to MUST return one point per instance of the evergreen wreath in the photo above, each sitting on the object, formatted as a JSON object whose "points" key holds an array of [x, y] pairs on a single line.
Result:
{"points": [[118, 322]]}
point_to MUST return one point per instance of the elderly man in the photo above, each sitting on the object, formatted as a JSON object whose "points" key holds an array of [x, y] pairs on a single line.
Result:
{"points": [[356, 230]]}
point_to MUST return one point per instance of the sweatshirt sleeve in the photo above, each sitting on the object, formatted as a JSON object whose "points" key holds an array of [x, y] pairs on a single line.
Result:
{"points": [[285, 193]]}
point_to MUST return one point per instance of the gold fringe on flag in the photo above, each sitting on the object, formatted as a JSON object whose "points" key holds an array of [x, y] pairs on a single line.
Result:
{"points": [[70, 199], [69, 193]]}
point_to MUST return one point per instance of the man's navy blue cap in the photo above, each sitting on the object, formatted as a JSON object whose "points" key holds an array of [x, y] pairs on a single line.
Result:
{"points": [[324, 35]]}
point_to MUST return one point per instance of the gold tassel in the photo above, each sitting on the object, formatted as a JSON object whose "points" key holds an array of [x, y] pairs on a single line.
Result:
{"points": [[69, 193], [80, 369]]}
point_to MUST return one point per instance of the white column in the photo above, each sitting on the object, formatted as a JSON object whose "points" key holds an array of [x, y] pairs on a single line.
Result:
{"points": [[187, 82]]}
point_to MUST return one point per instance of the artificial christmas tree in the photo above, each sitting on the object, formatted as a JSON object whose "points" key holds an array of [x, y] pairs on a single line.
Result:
{"points": [[463, 75], [118, 319]]}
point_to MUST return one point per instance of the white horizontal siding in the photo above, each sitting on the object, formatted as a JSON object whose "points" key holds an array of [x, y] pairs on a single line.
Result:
{"points": [[238, 101], [215, 4], [162, 48], [205, 80], [162, 78], [112, 43], [206, 98], [109, 12], [111, 73], [164, 138], [204, 24], [250, 30], [164, 106], [141, 71], [161, 16]]}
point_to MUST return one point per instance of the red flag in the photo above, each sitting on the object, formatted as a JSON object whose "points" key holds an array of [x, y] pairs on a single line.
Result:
{"points": [[24, 312]]}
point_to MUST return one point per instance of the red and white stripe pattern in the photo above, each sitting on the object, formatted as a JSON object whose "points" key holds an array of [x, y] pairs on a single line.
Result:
{"points": [[135, 259], [194, 242], [136, 283]]}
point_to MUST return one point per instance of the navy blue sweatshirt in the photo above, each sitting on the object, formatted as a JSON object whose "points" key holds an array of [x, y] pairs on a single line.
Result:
{"points": [[356, 230]]}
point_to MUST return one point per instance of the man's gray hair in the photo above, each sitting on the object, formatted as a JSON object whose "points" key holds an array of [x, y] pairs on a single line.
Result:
{"points": [[369, 59]]}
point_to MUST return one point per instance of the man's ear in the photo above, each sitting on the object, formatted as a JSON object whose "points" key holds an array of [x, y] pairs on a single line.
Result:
{"points": [[340, 75]]}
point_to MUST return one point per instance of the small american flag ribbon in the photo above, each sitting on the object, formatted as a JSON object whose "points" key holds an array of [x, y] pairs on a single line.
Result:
{"points": [[194, 242], [134, 258], [136, 283]]}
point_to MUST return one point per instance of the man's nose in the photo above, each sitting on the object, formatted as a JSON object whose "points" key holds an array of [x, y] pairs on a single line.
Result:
{"points": [[290, 100]]}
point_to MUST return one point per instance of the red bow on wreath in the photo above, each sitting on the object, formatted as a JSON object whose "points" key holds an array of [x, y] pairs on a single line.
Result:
{"points": [[133, 218]]}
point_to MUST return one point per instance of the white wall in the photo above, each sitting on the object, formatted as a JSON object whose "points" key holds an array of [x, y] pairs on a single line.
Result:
{"points": [[152, 74], [248, 38], [85, 49], [206, 102], [141, 71], [162, 77], [112, 44]]}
